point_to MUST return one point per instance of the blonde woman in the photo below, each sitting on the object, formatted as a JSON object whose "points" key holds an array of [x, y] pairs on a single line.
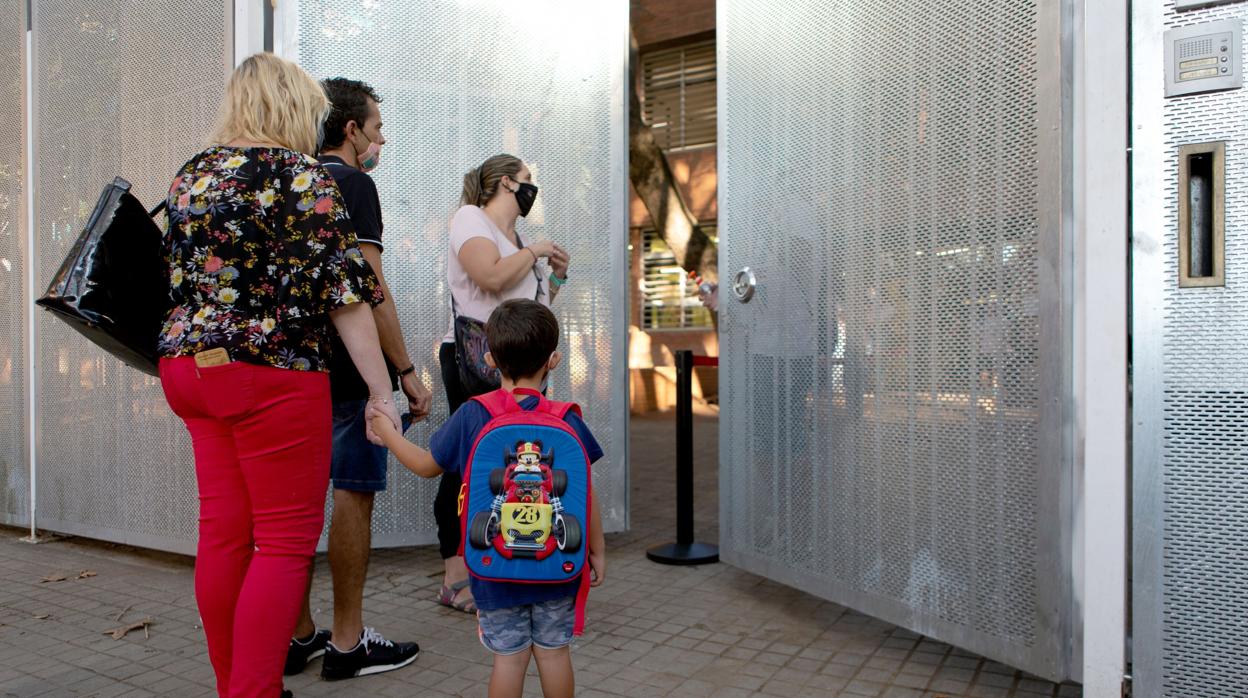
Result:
{"points": [[262, 260]]}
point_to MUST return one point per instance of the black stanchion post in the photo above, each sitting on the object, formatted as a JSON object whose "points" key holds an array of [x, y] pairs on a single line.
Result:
{"points": [[684, 551], [684, 447]]}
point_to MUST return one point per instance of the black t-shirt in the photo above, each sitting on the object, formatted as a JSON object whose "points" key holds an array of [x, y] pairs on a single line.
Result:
{"points": [[364, 208]]}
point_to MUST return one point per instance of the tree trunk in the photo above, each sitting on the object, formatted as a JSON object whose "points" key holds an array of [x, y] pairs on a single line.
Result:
{"points": [[653, 181]]}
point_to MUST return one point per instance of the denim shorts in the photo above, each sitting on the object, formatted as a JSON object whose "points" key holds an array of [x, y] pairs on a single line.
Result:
{"points": [[547, 624], [357, 464]]}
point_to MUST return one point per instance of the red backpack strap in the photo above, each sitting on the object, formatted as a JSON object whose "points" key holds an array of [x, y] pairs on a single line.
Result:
{"points": [[582, 593], [561, 409], [558, 409], [497, 403]]}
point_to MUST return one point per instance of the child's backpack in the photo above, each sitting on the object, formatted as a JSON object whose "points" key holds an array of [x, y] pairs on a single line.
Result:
{"points": [[524, 506]]}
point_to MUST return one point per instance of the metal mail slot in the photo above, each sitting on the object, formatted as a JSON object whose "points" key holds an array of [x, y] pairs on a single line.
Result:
{"points": [[1202, 214]]}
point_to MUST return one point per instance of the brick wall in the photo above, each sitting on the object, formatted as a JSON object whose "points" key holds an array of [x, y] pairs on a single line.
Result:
{"points": [[657, 21]]}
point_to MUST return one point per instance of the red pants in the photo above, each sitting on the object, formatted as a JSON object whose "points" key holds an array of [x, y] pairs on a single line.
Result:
{"points": [[262, 448]]}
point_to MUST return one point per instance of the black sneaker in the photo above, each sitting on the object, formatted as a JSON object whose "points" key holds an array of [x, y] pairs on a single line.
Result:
{"points": [[301, 653], [373, 654]]}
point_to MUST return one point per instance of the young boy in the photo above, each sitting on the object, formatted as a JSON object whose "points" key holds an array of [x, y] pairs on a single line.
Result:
{"points": [[516, 620]]}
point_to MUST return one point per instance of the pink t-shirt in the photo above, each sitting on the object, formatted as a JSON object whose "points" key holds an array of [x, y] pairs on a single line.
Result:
{"points": [[471, 300]]}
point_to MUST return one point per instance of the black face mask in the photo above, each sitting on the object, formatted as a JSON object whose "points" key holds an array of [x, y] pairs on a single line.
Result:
{"points": [[526, 194]]}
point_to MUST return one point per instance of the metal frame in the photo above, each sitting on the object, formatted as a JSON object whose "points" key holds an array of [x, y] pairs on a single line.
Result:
{"points": [[1100, 331], [32, 373], [1147, 241], [1058, 485], [620, 252], [23, 237], [248, 28]]}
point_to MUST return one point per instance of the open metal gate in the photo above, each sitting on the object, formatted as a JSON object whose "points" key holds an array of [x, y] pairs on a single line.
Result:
{"points": [[896, 393]]}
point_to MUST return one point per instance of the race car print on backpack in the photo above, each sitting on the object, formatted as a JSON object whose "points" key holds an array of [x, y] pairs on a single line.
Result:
{"points": [[524, 511]]}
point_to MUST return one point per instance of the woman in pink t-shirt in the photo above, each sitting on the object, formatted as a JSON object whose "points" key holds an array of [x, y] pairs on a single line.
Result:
{"points": [[489, 262]]}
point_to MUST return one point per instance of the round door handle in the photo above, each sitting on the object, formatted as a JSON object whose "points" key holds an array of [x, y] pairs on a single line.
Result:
{"points": [[743, 285]]}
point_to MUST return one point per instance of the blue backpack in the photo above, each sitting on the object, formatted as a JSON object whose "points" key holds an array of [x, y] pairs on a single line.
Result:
{"points": [[524, 505]]}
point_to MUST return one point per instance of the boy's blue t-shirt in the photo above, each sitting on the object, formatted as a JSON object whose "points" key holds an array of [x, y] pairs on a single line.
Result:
{"points": [[451, 446]]}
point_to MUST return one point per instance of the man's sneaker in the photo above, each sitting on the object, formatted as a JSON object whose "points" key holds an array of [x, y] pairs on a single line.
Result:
{"points": [[373, 654], [302, 652]]}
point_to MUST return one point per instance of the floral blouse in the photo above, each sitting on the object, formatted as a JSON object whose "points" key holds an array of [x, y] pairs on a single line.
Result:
{"points": [[260, 249]]}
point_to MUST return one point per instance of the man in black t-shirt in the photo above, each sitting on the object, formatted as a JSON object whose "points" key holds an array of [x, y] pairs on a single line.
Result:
{"points": [[352, 148]]}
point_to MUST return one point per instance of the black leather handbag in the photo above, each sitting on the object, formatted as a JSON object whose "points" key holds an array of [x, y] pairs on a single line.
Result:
{"points": [[113, 288], [476, 376]]}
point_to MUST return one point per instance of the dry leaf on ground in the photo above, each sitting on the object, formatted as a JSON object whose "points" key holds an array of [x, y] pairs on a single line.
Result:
{"points": [[124, 630], [54, 577], [86, 573]]}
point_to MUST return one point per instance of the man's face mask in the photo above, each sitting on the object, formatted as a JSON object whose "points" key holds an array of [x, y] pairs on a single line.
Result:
{"points": [[370, 157]]}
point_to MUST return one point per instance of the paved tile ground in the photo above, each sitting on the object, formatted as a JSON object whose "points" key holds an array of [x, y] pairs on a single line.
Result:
{"points": [[654, 630]]}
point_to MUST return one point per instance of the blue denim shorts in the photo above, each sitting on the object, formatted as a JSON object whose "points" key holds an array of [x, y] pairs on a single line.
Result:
{"points": [[357, 464], [547, 624]]}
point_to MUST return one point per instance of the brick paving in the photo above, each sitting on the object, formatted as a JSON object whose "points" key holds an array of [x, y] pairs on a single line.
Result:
{"points": [[654, 630]]}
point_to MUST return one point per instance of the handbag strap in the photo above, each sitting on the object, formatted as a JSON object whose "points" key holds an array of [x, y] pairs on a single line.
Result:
{"points": [[536, 274]]}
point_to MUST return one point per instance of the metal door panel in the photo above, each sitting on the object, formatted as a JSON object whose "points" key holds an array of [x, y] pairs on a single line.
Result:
{"points": [[895, 395]]}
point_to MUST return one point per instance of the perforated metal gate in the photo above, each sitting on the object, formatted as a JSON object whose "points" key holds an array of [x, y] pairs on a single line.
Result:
{"points": [[460, 82], [121, 88], [14, 473], [1190, 390], [896, 394]]}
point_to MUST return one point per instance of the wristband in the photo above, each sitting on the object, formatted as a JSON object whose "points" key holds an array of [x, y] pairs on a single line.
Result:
{"points": [[535, 260], [407, 371], [556, 281]]}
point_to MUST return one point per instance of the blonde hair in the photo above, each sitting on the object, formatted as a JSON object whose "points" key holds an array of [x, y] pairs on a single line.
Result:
{"points": [[481, 183], [272, 100]]}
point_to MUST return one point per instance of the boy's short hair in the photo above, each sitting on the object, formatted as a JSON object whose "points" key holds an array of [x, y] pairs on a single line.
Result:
{"points": [[522, 335]]}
